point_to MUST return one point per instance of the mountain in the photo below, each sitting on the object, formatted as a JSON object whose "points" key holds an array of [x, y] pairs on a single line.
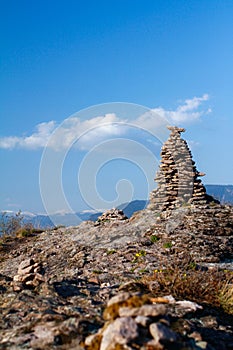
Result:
{"points": [[224, 193], [132, 207]]}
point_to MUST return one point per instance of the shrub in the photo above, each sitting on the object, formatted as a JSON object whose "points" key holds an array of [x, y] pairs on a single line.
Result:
{"points": [[9, 224]]}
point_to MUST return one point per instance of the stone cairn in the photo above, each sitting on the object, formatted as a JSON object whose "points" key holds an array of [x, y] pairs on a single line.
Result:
{"points": [[133, 319], [111, 215], [29, 275], [177, 178]]}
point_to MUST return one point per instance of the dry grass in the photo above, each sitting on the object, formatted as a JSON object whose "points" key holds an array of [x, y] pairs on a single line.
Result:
{"points": [[188, 281], [226, 297]]}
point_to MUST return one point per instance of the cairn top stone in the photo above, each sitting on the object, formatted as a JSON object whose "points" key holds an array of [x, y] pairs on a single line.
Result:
{"points": [[175, 129]]}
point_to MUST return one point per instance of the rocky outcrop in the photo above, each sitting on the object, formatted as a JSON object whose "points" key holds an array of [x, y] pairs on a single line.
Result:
{"points": [[68, 305], [177, 178]]}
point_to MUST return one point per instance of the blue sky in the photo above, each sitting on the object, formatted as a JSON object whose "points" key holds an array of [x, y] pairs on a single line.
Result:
{"points": [[60, 57]]}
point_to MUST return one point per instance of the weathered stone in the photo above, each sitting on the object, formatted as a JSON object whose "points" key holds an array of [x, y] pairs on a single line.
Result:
{"points": [[142, 320], [26, 263], [144, 310], [25, 270], [162, 334], [121, 331], [119, 298]]}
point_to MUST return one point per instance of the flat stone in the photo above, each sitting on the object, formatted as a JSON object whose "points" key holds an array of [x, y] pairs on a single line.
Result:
{"points": [[144, 310], [26, 263], [119, 298], [25, 270]]}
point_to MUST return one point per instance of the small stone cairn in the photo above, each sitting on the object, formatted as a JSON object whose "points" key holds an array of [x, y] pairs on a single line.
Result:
{"points": [[177, 177], [111, 216], [29, 275], [139, 322]]}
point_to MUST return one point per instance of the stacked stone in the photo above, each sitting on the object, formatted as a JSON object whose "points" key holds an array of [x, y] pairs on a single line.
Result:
{"points": [[112, 215], [29, 275], [135, 321], [177, 178]]}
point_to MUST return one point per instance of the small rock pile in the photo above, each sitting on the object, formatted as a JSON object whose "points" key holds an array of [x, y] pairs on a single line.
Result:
{"points": [[177, 177], [135, 321], [111, 215], [29, 275]]}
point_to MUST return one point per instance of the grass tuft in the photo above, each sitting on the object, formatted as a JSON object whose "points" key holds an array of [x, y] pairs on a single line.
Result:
{"points": [[185, 280]]}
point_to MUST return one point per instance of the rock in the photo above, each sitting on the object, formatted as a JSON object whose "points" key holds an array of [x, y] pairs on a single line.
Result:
{"points": [[121, 331], [119, 298], [187, 306], [26, 270], [131, 303], [93, 341], [142, 320], [144, 310], [28, 276], [25, 263], [162, 334]]}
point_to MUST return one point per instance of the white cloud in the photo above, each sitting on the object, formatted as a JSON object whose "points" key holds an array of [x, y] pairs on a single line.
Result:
{"points": [[36, 140], [187, 112], [86, 133], [91, 131]]}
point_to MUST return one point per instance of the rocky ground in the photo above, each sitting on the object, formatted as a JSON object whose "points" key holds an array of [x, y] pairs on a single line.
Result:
{"points": [[95, 286]]}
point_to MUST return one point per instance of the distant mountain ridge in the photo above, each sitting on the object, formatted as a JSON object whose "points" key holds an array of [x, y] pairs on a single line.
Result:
{"points": [[224, 193]]}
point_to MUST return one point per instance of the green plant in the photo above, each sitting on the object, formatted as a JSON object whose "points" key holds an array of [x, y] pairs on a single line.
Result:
{"points": [[192, 265], [154, 238], [167, 245], [140, 254]]}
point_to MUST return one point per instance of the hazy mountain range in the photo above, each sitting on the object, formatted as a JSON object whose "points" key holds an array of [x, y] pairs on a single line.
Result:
{"points": [[224, 193]]}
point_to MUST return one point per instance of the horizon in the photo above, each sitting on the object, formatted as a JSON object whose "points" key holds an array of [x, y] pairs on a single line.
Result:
{"points": [[62, 68], [94, 211]]}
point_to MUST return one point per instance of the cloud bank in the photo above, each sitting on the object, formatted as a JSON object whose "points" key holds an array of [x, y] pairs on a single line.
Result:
{"points": [[99, 128]]}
